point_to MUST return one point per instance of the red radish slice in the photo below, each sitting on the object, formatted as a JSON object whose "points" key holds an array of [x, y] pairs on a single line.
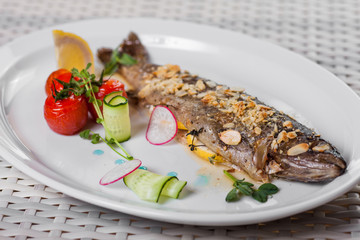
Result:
{"points": [[162, 127], [120, 172]]}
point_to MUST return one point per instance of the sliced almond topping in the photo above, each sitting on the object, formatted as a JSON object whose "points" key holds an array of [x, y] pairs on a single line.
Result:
{"points": [[273, 167], [200, 85], [321, 148], [192, 91], [181, 93], [276, 130], [230, 137], [298, 149], [291, 135], [282, 137], [262, 107], [229, 125], [173, 68], [274, 146], [257, 130], [237, 89], [210, 84], [208, 98], [287, 124]]}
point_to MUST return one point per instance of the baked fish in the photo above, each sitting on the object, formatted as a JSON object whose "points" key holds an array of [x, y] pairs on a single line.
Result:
{"points": [[247, 133]]}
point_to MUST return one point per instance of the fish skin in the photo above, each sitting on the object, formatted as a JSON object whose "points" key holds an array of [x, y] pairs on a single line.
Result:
{"points": [[255, 153]]}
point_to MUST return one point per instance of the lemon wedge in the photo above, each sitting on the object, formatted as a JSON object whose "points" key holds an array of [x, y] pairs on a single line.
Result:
{"points": [[203, 151], [72, 51]]}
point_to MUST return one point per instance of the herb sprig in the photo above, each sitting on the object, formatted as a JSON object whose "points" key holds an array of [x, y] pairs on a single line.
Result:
{"points": [[245, 188], [90, 89], [116, 59], [194, 133], [84, 83]]}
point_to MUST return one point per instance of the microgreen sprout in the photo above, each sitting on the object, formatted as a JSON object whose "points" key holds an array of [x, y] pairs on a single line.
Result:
{"points": [[87, 80], [85, 83]]}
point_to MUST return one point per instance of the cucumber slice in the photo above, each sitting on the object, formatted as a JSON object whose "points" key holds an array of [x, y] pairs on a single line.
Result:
{"points": [[116, 117], [147, 185], [173, 188]]}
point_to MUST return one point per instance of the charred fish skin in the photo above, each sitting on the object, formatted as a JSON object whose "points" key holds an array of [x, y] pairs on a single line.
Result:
{"points": [[259, 139]]}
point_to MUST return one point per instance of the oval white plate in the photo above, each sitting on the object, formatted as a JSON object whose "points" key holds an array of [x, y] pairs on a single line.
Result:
{"points": [[74, 166]]}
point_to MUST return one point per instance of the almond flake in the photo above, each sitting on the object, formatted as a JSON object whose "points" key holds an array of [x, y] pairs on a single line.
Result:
{"points": [[230, 137], [287, 124], [298, 149], [200, 86], [321, 148], [229, 125], [291, 135], [282, 137], [257, 130]]}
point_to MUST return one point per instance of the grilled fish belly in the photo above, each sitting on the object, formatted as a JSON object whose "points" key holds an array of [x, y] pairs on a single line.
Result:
{"points": [[245, 131]]}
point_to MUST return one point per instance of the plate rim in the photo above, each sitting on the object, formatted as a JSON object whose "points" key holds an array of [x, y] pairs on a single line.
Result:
{"points": [[154, 213]]}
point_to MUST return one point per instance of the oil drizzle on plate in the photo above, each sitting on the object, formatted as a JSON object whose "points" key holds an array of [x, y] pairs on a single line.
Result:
{"points": [[98, 152]]}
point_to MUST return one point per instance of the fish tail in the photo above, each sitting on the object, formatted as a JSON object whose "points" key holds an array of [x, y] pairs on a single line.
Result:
{"points": [[133, 47]]}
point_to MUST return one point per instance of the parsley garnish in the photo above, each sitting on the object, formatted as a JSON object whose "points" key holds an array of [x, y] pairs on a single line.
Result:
{"points": [[116, 59], [245, 188]]}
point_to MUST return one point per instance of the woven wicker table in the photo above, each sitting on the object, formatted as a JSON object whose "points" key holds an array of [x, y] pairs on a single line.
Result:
{"points": [[327, 32]]}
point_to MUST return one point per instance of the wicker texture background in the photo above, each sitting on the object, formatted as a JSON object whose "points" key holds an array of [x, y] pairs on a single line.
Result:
{"points": [[325, 31]]}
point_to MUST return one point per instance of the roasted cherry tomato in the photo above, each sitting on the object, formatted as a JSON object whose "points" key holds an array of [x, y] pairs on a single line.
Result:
{"points": [[61, 74], [67, 116], [107, 87]]}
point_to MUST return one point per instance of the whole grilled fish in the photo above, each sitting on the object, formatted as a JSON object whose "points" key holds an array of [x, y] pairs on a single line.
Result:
{"points": [[247, 133]]}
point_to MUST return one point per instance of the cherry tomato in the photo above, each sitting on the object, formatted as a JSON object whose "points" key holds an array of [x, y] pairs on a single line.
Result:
{"points": [[107, 87], [67, 116], [61, 74]]}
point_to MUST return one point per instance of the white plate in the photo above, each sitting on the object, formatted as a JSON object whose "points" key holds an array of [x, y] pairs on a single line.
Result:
{"points": [[277, 76]]}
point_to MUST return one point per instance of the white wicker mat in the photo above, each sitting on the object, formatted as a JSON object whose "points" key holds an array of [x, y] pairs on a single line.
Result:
{"points": [[325, 31]]}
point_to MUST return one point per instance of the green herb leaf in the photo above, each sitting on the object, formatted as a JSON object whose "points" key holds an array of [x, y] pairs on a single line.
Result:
{"points": [[244, 187], [99, 120], [212, 159], [85, 134], [86, 84], [99, 102], [116, 59], [247, 188], [95, 88], [268, 188], [95, 138], [233, 196], [260, 196], [126, 59], [88, 134]]}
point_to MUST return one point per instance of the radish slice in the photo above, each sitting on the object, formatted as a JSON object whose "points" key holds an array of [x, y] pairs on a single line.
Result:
{"points": [[162, 127], [120, 171]]}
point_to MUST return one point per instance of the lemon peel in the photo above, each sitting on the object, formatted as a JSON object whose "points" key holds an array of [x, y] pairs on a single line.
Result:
{"points": [[72, 51], [181, 126]]}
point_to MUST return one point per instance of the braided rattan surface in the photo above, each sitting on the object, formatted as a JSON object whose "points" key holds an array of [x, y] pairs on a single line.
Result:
{"points": [[325, 31]]}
